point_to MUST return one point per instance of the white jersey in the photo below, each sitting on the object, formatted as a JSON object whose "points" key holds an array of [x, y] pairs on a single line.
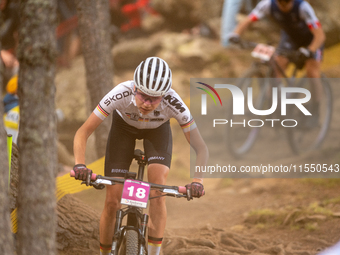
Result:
{"points": [[121, 98], [296, 23], [303, 10]]}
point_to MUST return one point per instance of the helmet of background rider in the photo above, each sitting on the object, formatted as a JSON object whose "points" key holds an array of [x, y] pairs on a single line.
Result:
{"points": [[12, 85]]}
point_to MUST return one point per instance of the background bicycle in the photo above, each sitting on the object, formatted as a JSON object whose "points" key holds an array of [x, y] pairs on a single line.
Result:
{"points": [[261, 77], [130, 238]]}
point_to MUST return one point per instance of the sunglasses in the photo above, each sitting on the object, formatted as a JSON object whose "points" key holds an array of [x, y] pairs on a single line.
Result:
{"points": [[145, 98]]}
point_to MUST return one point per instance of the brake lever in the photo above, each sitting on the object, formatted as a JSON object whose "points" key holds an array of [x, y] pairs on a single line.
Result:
{"points": [[95, 185], [189, 197], [84, 182], [98, 186]]}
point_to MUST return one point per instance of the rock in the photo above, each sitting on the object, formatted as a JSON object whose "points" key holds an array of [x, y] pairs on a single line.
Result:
{"points": [[171, 244], [196, 251], [238, 228], [185, 14], [328, 14], [180, 50], [129, 54], [202, 242], [311, 218]]}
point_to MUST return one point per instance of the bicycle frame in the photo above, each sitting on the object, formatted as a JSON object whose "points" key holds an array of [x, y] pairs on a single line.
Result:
{"points": [[136, 220], [273, 66]]}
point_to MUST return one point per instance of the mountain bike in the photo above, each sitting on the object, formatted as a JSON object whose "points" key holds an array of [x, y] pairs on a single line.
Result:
{"points": [[130, 238], [261, 77]]}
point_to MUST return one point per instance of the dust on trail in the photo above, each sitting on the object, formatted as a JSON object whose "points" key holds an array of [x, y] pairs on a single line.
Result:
{"points": [[214, 241], [262, 217], [248, 216]]}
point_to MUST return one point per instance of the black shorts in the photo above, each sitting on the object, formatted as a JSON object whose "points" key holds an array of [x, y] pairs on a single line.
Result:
{"points": [[121, 145]]}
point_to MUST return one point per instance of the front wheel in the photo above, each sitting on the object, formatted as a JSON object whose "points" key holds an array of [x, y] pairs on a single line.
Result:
{"points": [[129, 245], [240, 136], [311, 131]]}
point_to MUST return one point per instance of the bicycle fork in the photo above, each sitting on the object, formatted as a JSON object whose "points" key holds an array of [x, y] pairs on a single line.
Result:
{"points": [[142, 236], [132, 223], [117, 232]]}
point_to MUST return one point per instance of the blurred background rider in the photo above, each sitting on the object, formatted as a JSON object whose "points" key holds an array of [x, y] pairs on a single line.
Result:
{"points": [[11, 106], [300, 31]]}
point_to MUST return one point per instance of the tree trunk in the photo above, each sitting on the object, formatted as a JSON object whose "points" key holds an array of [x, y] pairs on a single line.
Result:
{"points": [[78, 223], [93, 23], [37, 131], [6, 240]]}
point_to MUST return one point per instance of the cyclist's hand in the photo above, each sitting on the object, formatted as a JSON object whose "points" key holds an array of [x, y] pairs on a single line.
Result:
{"points": [[195, 189], [234, 39], [306, 53], [81, 172], [303, 54]]}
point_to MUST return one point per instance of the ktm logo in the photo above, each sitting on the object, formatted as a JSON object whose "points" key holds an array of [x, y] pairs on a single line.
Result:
{"points": [[174, 102]]}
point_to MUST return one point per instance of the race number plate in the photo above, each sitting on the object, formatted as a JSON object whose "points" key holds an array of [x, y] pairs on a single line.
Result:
{"points": [[263, 52], [135, 193]]}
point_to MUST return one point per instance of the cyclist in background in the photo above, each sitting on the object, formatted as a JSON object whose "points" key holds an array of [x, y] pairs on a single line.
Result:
{"points": [[300, 30], [9, 13], [141, 109], [11, 105]]}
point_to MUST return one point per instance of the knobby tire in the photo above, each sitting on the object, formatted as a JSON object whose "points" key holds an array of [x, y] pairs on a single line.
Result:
{"points": [[296, 137], [129, 245], [241, 140]]}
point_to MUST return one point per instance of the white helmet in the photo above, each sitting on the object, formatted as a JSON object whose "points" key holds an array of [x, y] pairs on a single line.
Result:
{"points": [[153, 77]]}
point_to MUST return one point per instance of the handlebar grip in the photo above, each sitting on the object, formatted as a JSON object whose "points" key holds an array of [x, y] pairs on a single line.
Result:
{"points": [[93, 176], [182, 189]]}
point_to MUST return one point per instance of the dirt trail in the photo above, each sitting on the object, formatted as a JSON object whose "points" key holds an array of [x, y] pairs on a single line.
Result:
{"points": [[259, 209], [252, 216]]}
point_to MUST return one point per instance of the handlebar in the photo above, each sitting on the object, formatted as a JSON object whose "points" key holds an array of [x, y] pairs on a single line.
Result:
{"points": [[93, 176], [98, 182], [291, 55], [247, 44]]}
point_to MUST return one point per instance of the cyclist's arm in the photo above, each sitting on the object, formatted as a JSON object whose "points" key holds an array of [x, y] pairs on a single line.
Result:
{"points": [[261, 10], [81, 136], [242, 26], [308, 15], [318, 39], [195, 140]]}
